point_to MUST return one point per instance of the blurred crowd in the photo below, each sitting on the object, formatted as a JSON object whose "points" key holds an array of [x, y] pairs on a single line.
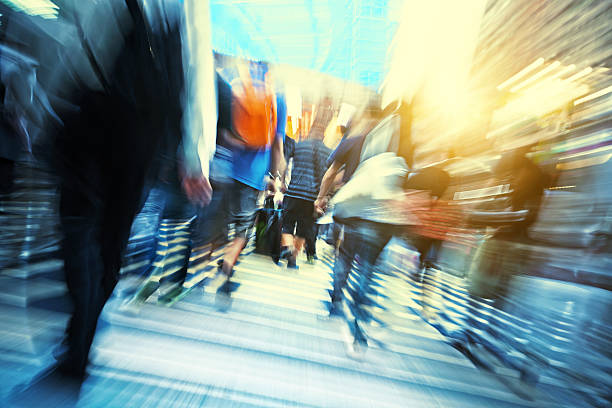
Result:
{"points": [[125, 104]]}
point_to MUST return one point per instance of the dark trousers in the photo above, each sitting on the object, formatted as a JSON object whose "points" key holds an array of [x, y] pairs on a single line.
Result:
{"points": [[95, 235], [298, 220], [331, 233], [7, 175], [311, 240], [102, 165], [428, 249]]}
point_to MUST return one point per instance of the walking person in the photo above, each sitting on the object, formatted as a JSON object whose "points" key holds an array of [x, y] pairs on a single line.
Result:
{"points": [[166, 273], [372, 165], [257, 134], [309, 165], [119, 111]]}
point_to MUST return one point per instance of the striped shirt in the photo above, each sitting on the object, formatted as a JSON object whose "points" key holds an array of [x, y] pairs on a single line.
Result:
{"points": [[309, 158]]}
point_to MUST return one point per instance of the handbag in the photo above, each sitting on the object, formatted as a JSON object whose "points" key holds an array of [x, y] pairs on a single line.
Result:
{"points": [[494, 265], [377, 181]]}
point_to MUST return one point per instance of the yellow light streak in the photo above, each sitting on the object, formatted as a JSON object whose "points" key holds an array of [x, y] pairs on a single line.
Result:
{"points": [[536, 64], [593, 95], [580, 74], [537, 76]]}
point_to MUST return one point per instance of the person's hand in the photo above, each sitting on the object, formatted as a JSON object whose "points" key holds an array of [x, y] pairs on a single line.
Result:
{"points": [[320, 205], [272, 185], [198, 190]]}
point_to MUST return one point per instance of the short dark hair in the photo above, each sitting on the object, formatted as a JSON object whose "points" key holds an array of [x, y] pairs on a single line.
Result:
{"points": [[372, 108]]}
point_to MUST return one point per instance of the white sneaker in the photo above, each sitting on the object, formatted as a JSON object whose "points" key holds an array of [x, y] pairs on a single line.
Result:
{"points": [[131, 307], [354, 349]]}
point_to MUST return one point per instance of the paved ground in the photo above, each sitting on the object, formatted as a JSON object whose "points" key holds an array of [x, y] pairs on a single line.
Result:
{"points": [[272, 346]]}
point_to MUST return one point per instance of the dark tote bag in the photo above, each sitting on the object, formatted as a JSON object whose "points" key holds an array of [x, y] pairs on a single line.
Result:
{"points": [[268, 230], [494, 265]]}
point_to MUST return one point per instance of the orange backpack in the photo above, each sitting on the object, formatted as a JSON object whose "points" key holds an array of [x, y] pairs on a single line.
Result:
{"points": [[253, 110]]}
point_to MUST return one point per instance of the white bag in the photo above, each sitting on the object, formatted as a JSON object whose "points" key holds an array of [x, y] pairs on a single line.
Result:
{"points": [[378, 179]]}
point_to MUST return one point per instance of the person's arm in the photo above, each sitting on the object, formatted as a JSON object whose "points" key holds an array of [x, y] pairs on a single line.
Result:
{"points": [[288, 151], [321, 153], [326, 185], [338, 181], [336, 162], [277, 160], [277, 163], [200, 114]]}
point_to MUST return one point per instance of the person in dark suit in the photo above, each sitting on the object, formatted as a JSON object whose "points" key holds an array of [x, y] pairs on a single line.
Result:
{"points": [[122, 100]]}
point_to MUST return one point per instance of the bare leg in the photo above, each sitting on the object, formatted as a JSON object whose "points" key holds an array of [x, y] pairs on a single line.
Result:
{"points": [[231, 254], [287, 240], [299, 245]]}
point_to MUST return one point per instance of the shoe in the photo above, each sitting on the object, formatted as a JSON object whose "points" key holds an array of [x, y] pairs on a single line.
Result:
{"points": [[54, 387], [357, 350], [354, 348], [335, 309], [360, 336], [132, 306], [310, 260], [146, 291], [285, 253], [290, 257], [227, 273], [171, 295]]}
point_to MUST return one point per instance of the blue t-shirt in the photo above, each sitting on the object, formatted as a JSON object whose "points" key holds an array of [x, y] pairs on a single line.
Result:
{"points": [[348, 155], [251, 166]]}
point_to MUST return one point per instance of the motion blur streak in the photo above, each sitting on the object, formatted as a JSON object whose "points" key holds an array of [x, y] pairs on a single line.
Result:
{"points": [[306, 203]]}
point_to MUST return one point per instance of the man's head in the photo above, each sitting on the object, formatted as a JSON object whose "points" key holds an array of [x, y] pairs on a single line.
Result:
{"points": [[372, 110]]}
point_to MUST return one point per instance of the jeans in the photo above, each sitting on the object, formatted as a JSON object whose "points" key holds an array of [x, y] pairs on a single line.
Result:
{"points": [[363, 242], [177, 208]]}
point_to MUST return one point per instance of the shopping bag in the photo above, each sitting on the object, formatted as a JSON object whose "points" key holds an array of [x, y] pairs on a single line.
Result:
{"points": [[273, 234], [377, 181], [495, 263], [268, 232]]}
